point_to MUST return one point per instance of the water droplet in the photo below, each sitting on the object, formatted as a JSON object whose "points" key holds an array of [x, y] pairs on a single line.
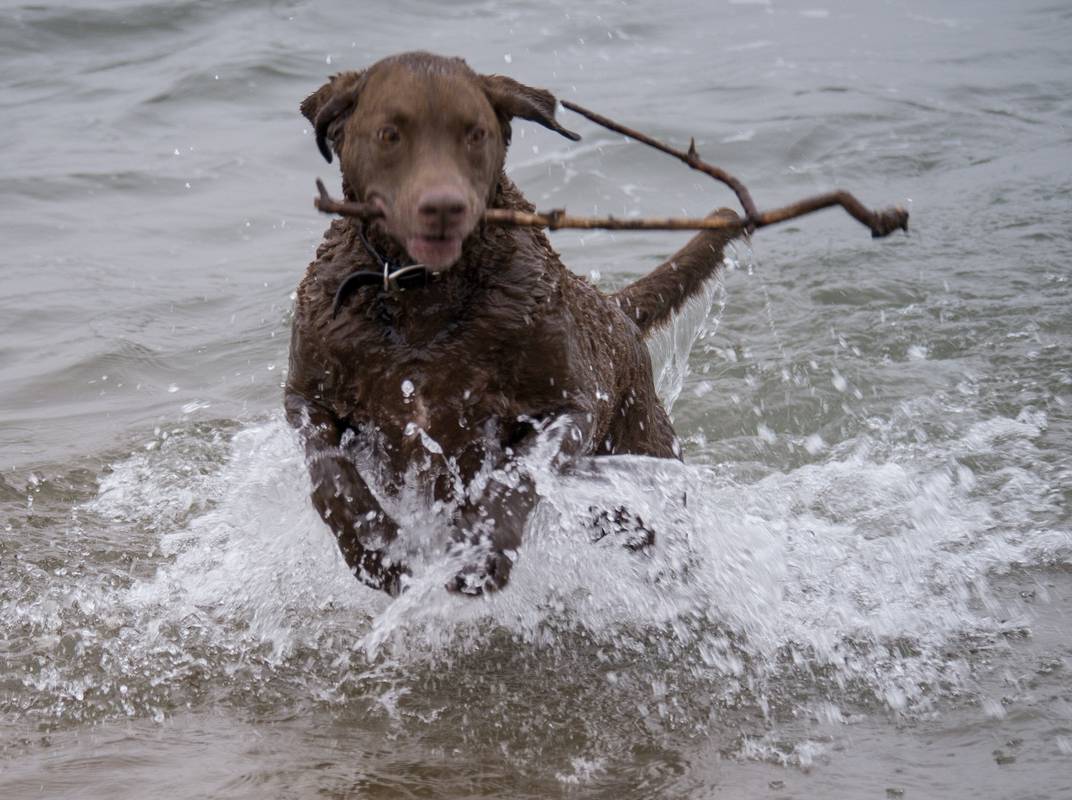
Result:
{"points": [[993, 708]]}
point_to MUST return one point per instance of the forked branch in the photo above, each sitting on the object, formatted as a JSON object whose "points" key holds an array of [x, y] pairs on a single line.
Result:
{"points": [[881, 222], [691, 158]]}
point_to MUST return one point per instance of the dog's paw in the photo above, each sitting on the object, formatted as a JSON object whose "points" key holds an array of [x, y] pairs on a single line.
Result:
{"points": [[621, 527], [490, 575]]}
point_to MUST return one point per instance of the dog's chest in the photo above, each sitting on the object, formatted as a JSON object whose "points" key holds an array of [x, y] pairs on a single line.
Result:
{"points": [[446, 411], [438, 381], [445, 400]]}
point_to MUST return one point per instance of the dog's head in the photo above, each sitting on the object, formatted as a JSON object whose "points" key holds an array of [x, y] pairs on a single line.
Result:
{"points": [[424, 138]]}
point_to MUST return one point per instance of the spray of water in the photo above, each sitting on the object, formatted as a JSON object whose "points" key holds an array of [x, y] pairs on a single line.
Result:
{"points": [[843, 586]]}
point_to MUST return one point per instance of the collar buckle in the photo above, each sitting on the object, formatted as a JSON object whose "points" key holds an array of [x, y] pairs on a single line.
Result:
{"points": [[394, 281]]}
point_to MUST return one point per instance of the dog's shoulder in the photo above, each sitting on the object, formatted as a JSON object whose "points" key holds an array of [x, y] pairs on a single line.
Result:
{"points": [[338, 255]]}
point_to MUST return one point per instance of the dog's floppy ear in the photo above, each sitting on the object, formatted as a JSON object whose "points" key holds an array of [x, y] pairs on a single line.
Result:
{"points": [[512, 99], [332, 103]]}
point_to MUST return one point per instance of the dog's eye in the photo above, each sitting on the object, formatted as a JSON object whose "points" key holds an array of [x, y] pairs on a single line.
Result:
{"points": [[388, 134], [476, 135]]}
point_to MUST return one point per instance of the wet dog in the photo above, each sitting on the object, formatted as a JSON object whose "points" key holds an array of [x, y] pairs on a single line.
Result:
{"points": [[479, 349]]}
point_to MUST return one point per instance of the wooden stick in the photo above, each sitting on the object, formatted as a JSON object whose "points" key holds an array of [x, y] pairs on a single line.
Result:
{"points": [[558, 219], [346, 208], [555, 219], [691, 158], [882, 222]]}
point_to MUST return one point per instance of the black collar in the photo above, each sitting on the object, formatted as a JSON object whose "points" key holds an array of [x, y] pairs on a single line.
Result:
{"points": [[392, 277]]}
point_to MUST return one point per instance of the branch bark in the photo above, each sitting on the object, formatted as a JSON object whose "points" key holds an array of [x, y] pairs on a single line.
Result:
{"points": [[691, 158], [882, 222]]}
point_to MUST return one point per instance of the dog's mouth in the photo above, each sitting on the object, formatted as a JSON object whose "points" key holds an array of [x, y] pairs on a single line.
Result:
{"points": [[435, 252]]}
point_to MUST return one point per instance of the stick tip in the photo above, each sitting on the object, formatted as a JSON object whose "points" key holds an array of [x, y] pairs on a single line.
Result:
{"points": [[889, 220]]}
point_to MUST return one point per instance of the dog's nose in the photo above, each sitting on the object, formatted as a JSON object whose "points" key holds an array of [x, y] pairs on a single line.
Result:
{"points": [[443, 208]]}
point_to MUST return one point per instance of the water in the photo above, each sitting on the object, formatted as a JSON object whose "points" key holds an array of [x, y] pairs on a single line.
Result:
{"points": [[867, 594]]}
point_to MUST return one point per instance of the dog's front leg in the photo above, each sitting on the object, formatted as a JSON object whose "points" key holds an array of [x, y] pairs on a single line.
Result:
{"points": [[361, 527], [496, 521]]}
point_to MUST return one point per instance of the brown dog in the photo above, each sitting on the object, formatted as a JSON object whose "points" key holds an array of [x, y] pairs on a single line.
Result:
{"points": [[462, 369]]}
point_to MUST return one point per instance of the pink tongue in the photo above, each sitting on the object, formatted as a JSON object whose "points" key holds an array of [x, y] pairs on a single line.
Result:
{"points": [[434, 253]]}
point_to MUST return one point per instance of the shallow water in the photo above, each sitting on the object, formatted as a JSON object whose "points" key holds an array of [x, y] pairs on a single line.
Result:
{"points": [[867, 593]]}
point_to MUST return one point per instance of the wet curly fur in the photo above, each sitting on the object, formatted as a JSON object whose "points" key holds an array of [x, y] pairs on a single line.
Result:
{"points": [[500, 352]]}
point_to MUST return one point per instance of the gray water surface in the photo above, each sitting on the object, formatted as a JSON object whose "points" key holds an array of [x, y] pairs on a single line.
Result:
{"points": [[869, 593]]}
